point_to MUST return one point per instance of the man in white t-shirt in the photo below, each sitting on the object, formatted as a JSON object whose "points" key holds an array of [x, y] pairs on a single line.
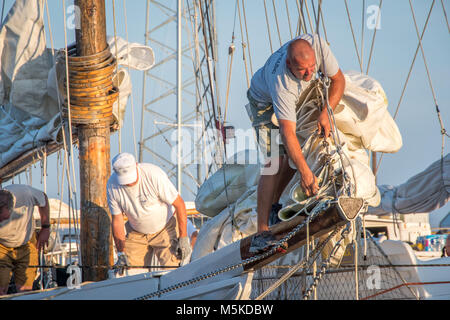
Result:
{"points": [[144, 193], [19, 245], [276, 89]]}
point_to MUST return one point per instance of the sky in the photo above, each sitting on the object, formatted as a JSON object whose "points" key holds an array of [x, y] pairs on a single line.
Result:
{"points": [[395, 45]]}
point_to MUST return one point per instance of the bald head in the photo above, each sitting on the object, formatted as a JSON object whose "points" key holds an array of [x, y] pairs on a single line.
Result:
{"points": [[301, 59]]}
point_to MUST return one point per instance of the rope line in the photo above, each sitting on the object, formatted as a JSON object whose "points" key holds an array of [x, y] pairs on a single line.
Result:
{"points": [[268, 28], [353, 35], [409, 75], [276, 22], [373, 37]]}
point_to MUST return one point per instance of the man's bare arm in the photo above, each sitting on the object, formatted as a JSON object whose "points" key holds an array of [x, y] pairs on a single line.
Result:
{"points": [[294, 151], [180, 212], [118, 230]]}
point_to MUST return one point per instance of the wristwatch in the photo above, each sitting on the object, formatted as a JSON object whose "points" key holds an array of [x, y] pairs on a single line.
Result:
{"points": [[45, 226]]}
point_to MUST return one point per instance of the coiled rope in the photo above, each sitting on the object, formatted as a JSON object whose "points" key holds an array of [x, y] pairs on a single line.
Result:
{"points": [[91, 89]]}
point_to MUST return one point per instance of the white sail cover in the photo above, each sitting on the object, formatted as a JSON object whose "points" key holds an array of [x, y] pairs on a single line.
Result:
{"points": [[426, 191], [29, 109]]}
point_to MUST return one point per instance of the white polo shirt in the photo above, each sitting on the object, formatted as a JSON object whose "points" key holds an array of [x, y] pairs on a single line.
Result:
{"points": [[18, 229], [274, 83], [148, 204]]}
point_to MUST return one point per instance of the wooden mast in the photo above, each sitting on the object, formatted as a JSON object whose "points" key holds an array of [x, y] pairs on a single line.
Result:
{"points": [[94, 156]]}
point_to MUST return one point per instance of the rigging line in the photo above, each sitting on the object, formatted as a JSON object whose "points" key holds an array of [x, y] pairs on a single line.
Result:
{"points": [[319, 15], [353, 35], [302, 264], [248, 41], [210, 33], [45, 168], [117, 71], [200, 104], [331, 118], [268, 28], [213, 41], [129, 71], [276, 21], [374, 35], [423, 55], [408, 76], [362, 30], [288, 18], [443, 131], [234, 19], [325, 264], [323, 25], [230, 66], [57, 88], [196, 67], [207, 58], [356, 241], [71, 192], [144, 80], [3, 10], [309, 17], [199, 71], [205, 87], [243, 48], [445, 15], [210, 77], [316, 20], [221, 122], [195, 59], [61, 187], [301, 18], [66, 162], [68, 95]]}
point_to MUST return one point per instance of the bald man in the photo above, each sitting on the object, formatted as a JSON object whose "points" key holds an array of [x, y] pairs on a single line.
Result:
{"points": [[276, 89]]}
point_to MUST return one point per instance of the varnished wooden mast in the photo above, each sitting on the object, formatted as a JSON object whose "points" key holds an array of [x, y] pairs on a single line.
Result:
{"points": [[94, 157]]}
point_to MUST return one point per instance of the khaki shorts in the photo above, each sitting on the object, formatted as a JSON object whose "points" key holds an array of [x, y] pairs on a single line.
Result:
{"points": [[267, 134], [16, 261], [140, 247]]}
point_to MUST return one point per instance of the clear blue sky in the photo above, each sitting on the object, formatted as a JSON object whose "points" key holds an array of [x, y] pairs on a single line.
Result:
{"points": [[395, 45]]}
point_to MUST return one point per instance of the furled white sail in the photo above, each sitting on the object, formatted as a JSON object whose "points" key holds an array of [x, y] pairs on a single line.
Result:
{"points": [[426, 191]]}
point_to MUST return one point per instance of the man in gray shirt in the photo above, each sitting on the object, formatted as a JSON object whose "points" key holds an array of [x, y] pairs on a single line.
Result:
{"points": [[276, 89]]}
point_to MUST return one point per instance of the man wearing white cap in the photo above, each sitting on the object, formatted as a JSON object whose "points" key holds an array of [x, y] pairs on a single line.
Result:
{"points": [[144, 193]]}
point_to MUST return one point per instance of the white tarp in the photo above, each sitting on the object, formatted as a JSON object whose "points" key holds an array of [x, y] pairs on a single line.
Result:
{"points": [[364, 106], [426, 191], [29, 111]]}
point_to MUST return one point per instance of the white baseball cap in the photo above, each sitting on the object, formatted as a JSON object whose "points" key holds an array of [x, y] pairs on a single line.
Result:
{"points": [[124, 165]]}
